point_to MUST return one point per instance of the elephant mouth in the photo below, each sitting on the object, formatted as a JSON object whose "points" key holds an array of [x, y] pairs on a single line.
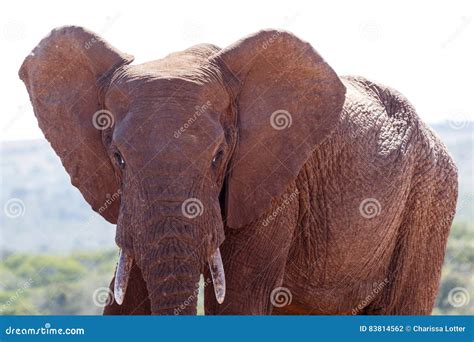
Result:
{"points": [[124, 267]]}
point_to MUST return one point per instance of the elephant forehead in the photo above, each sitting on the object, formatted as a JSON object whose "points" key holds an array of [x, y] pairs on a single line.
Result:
{"points": [[179, 71], [180, 124], [150, 93], [168, 136]]}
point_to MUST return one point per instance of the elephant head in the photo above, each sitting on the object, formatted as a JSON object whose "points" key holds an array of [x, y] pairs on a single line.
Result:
{"points": [[170, 150]]}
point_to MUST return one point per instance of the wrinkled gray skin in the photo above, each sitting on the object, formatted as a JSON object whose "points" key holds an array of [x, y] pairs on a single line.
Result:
{"points": [[343, 209]]}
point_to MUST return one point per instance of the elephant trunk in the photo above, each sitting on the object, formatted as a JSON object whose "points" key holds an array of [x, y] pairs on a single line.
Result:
{"points": [[171, 268], [172, 295], [189, 305], [172, 244]]}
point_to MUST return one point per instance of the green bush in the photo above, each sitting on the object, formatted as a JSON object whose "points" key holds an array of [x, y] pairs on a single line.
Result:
{"points": [[64, 285]]}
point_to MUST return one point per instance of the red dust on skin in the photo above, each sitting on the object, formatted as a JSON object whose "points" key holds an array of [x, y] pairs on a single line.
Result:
{"points": [[198, 125]]}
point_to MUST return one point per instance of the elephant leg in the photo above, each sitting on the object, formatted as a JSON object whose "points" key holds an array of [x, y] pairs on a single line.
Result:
{"points": [[415, 269], [136, 301], [254, 259]]}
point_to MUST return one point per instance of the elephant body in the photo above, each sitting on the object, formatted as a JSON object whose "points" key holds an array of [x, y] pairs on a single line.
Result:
{"points": [[335, 253], [317, 194]]}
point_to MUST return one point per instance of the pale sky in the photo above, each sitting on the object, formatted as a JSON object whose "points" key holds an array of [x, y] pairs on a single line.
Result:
{"points": [[425, 49]]}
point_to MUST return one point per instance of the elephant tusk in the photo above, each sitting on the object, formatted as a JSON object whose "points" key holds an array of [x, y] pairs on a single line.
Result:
{"points": [[218, 276], [124, 266]]}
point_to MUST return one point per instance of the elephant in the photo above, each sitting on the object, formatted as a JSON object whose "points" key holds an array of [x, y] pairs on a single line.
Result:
{"points": [[288, 188]]}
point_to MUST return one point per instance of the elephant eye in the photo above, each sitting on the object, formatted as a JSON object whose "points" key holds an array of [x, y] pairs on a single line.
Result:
{"points": [[118, 157], [217, 158]]}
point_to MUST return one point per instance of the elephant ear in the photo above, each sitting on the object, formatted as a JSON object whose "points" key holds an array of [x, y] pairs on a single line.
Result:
{"points": [[288, 100], [64, 75]]}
